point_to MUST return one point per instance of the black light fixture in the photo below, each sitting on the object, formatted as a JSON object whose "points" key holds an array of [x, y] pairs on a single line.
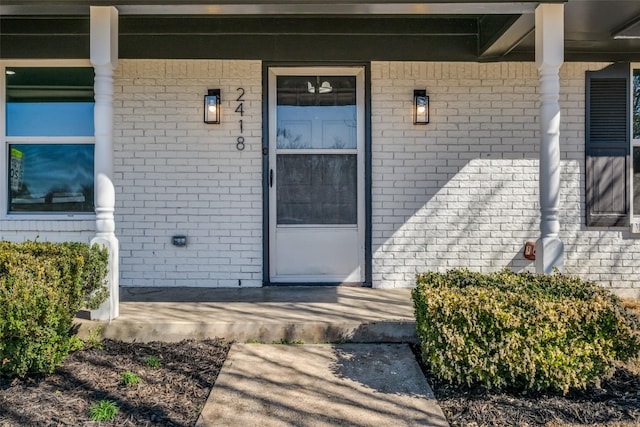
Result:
{"points": [[212, 106], [420, 107]]}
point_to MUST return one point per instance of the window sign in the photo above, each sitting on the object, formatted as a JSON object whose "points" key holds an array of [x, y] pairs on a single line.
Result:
{"points": [[50, 139], [16, 172]]}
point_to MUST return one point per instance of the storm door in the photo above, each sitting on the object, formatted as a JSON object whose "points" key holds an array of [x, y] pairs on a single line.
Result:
{"points": [[316, 175]]}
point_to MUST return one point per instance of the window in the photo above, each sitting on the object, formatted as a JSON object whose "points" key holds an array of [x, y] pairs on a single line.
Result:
{"points": [[607, 134], [49, 139]]}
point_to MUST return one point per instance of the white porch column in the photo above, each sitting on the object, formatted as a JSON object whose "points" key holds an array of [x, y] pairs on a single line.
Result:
{"points": [[104, 58], [549, 59]]}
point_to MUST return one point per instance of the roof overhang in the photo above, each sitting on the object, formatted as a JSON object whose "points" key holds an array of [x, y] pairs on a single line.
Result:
{"points": [[273, 7], [438, 30]]}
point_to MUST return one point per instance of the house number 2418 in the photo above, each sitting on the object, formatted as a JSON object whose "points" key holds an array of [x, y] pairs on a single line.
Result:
{"points": [[240, 110]]}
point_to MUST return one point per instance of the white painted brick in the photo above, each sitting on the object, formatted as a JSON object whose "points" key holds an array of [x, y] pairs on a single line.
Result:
{"points": [[186, 177], [459, 192], [478, 208]]}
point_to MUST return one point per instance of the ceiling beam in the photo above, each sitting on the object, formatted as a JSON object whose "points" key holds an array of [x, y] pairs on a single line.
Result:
{"points": [[508, 39], [630, 30]]}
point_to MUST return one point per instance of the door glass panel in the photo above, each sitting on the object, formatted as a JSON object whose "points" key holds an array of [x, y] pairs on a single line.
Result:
{"points": [[317, 189], [316, 112]]}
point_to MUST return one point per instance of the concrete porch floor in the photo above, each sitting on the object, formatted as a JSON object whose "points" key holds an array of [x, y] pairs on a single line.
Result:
{"points": [[313, 314]]}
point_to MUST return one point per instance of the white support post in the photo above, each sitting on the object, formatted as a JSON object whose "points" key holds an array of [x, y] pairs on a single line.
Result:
{"points": [[549, 59], [104, 58]]}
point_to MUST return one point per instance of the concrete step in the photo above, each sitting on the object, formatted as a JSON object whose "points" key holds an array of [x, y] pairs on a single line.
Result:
{"points": [[310, 314]]}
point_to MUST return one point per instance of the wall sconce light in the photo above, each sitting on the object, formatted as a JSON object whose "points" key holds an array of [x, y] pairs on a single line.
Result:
{"points": [[420, 107], [212, 106]]}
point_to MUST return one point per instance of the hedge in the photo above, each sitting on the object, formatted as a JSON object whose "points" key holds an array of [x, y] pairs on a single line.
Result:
{"points": [[520, 330], [42, 286]]}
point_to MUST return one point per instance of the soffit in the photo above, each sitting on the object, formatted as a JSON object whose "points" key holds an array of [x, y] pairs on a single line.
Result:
{"points": [[595, 30], [591, 27]]}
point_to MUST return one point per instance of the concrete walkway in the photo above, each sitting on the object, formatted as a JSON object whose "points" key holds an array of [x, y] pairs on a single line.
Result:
{"points": [[371, 384], [321, 385]]}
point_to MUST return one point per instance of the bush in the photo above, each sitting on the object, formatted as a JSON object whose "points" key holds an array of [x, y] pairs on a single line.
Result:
{"points": [[42, 286], [523, 331]]}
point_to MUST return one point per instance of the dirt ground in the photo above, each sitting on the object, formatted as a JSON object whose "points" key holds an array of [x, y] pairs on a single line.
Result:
{"points": [[172, 394], [616, 403]]}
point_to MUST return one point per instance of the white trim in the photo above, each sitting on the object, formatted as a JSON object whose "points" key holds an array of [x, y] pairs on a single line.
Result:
{"points": [[50, 140], [6, 140], [313, 280], [4, 63], [328, 226], [316, 151]]}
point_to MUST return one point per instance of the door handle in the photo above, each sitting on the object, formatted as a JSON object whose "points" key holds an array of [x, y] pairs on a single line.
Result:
{"points": [[270, 177]]}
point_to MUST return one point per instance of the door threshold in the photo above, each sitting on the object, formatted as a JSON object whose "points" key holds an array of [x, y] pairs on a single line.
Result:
{"points": [[312, 284]]}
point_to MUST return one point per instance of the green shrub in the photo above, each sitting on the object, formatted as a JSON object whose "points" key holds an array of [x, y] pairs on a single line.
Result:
{"points": [[42, 286], [91, 272], [523, 331]]}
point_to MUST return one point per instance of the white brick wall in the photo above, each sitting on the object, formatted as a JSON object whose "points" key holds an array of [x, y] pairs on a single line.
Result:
{"points": [[174, 174], [463, 190], [459, 192]]}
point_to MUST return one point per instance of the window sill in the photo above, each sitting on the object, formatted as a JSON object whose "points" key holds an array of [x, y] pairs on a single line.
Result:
{"points": [[49, 217], [48, 223]]}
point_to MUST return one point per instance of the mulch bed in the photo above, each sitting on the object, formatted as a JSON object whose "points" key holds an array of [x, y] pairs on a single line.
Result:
{"points": [[173, 394], [615, 403], [618, 400]]}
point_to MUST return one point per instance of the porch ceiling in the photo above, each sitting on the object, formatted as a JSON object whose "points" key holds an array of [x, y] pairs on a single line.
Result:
{"points": [[321, 30]]}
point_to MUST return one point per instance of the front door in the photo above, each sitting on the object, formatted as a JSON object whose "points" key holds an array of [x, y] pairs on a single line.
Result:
{"points": [[316, 174]]}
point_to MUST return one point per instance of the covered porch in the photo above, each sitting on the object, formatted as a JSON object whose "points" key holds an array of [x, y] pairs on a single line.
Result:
{"points": [[163, 41], [313, 314]]}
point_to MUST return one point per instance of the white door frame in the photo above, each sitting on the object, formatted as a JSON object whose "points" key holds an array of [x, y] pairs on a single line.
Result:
{"points": [[358, 275]]}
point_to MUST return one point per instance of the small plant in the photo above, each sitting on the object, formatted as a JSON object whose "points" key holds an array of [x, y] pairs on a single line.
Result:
{"points": [[254, 342], [129, 378], [286, 341], [75, 343], [152, 361], [105, 410], [94, 339]]}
